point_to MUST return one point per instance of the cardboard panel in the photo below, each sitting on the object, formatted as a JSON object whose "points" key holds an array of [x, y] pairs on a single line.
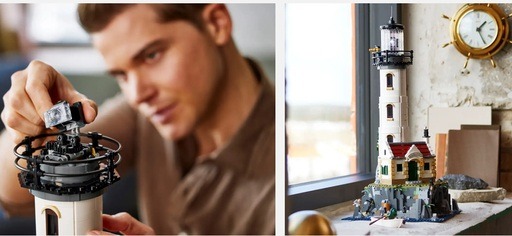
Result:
{"points": [[440, 155], [489, 127], [442, 119], [474, 153]]}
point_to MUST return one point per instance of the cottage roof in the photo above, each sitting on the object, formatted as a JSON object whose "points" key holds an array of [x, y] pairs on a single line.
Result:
{"points": [[400, 149]]}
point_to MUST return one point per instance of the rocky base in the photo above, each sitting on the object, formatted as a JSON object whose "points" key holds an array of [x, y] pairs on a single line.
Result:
{"points": [[433, 219], [413, 202]]}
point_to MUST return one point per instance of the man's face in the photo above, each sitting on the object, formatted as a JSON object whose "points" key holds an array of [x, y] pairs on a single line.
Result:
{"points": [[170, 72]]}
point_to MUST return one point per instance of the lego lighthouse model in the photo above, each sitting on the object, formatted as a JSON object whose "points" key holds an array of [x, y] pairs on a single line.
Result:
{"points": [[404, 184], [67, 177]]}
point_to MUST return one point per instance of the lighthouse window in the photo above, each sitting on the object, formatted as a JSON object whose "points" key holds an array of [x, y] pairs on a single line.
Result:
{"points": [[389, 111], [399, 168], [52, 222], [390, 138], [389, 80]]}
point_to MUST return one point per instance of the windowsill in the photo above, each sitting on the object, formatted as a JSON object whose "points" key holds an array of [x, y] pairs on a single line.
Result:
{"points": [[313, 195], [475, 218]]}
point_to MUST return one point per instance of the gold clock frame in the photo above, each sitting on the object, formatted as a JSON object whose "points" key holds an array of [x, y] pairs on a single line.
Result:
{"points": [[489, 51]]}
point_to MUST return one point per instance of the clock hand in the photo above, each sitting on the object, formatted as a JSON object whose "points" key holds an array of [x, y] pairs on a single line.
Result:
{"points": [[479, 33], [480, 27]]}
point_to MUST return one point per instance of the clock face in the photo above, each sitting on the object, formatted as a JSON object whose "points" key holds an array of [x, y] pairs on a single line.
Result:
{"points": [[477, 29]]}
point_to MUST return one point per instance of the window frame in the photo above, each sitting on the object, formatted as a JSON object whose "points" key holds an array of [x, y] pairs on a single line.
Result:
{"points": [[389, 81], [390, 138], [321, 193], [389, 111]]}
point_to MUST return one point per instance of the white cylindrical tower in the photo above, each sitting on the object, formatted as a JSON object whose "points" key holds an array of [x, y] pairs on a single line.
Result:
{"points": [[59, 217], [391, 61]]}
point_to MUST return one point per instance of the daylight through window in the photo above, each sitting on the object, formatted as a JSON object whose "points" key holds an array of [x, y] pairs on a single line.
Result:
{"points": [[320, 99]]}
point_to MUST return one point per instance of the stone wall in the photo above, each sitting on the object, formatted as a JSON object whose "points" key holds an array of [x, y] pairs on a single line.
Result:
{"points": [[437, 78]]}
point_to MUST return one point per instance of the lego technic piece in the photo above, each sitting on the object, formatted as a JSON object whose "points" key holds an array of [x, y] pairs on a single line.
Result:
{"points": [[67, 177], [65, 117]]}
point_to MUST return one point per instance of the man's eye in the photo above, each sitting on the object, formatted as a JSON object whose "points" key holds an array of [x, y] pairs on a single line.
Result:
{"points": [[152, 57]]}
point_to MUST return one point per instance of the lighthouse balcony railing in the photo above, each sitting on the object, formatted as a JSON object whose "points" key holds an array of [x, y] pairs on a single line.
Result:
{"points": [[392, 58]]}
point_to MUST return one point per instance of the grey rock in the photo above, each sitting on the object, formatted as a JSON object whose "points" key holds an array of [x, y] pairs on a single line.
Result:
{"points": [[463, 182]]}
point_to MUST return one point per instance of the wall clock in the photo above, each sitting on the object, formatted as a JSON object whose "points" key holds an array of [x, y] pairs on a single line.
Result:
{"points": [[479, 31]]}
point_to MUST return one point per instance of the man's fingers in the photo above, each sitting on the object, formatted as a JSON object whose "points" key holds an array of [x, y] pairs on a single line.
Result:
{"points": [[126, 224], [41, 78], [18, 98], [90, 109], [16, 121], [44, 86]]}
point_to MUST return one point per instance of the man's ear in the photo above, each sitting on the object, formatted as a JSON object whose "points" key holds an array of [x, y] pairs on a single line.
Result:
{"points": [[217, 22]]}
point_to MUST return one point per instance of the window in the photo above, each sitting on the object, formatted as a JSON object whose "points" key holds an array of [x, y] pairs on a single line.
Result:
{"points": [[320, 98], [426, 166], [45, 24], [389, 80], [390, 138], [367, 18], [389, 111], [384, 170], [399, 168], [52, 222]]}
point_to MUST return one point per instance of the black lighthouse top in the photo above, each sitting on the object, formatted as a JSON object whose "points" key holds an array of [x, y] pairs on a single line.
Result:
{"points": [[392, 57], [66, 169], [392, 25]]}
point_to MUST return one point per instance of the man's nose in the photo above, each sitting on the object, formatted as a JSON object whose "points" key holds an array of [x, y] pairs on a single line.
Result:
{"points": [[141, 88]]}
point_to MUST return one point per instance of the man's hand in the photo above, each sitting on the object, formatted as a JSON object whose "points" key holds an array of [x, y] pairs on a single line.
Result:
{"points": [[123, 223], [33, 91]]}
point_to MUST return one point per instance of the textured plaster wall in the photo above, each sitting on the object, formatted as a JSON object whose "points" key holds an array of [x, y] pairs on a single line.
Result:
{"points": [[437, 78]]}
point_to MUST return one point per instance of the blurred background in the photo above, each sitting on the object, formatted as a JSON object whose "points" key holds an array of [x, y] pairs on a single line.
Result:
{"points": [[320, 101], [51, 33]]}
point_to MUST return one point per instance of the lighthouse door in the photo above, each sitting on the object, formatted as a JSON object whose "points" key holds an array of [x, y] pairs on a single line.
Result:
{"points": [[413, 171]]}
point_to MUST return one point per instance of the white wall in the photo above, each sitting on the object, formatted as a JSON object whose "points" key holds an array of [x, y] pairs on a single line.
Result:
{"points": [[436, 78]]}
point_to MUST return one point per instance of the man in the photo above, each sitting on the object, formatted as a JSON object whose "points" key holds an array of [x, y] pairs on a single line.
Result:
{"points": [[196, 119]]}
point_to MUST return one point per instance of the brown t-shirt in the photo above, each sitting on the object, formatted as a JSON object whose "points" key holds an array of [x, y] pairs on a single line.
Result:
{"points": [[232, 193]]}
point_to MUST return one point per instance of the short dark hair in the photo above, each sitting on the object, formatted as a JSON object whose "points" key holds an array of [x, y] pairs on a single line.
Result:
{"points": [[95, 17]]}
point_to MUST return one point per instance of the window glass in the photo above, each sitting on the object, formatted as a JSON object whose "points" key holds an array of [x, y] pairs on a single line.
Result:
{"points": [[52, 222], [389, 109], [384, 170], [319, 95], [389, 79], [46, 24]]}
